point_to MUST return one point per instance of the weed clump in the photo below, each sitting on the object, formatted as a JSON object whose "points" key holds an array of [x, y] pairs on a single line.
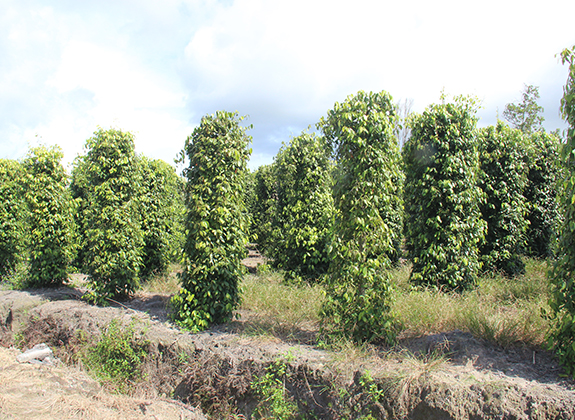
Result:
{"points": [[116, 358]]}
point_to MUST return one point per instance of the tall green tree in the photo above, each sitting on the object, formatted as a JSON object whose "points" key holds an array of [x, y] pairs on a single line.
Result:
{"points": [[503, 180], [368, 205], [543, 178], [304, 207], [162, 212], [112, 231], [13, 215], [443, 224], [216, 221], [526, 115], [562, 336], [51, 227]]}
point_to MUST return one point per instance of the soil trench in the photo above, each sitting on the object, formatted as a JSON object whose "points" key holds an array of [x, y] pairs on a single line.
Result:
{"points": [[211, 374]]}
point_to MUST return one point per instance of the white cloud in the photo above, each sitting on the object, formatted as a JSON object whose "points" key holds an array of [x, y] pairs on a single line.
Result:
{"points": [[155, 68]]}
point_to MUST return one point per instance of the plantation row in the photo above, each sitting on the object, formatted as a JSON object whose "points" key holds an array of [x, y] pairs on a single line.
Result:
{"points": [[340, 207], [119, 218]]}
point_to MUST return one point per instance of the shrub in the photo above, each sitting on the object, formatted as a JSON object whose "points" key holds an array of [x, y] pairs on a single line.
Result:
{"points": [[116, 358], [443, 224], [367, 197], [12, 215], [304, 207], [503, 179], [113, 237], [216, 222], [50, 217]]}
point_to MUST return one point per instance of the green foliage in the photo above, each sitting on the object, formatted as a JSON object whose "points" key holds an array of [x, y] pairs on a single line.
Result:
{"points": [[443, 224], [304, 207], [79, 187], [367, 227], [271, 389], [263, 206], [112, 234], [562, 336], [216, 221], [540, 193], [162, 213], [526, 116], [116, 358], [503, 179], [50, 217], [13, 215]]}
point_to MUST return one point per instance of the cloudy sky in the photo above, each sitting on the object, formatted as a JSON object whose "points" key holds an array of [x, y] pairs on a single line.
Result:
{"points": [[155, 67]]}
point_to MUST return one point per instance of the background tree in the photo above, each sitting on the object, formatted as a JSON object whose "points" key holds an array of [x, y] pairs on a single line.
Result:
{"points": [[543, 176], [526, 115], [162, 213], [443, 224], [50, 217], [13, 215], [304, 207], [216, 221], [503, 180], [114, 240], [562, 336], [367, 198]]}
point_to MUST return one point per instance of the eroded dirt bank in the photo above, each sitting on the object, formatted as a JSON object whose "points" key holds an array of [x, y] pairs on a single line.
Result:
{"points": [[214, 370]]}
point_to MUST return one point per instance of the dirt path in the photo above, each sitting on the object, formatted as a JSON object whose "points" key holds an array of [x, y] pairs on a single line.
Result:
{"points": [[34, 391], [215, 368]]}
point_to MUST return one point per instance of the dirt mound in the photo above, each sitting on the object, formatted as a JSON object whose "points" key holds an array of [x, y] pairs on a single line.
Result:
{"points": [[442, 376]]}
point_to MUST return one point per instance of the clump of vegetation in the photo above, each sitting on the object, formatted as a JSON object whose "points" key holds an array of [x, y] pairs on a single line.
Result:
{"points": [[112, 237], [51, 227], [368, 219], [216, 222], [443, 224], [12, 216], [162, 215], [543, 182], [274, 402], [115, 360], [503, 180], [303, 210]]}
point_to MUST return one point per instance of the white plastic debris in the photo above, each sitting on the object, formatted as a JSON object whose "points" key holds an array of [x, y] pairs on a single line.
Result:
{"points": [[40, 353]]}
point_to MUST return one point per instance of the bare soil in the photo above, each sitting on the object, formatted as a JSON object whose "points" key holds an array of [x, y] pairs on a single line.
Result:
{"points": [[442, 376]]}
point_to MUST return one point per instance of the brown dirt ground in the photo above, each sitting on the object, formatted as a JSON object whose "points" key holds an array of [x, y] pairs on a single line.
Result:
{"points": [[474, 380]]}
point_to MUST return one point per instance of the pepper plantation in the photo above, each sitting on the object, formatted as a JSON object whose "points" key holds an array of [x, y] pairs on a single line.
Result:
{"points": [[344, 209]]}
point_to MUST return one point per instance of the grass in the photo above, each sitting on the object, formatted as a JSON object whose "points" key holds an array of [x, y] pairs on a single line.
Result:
{"points": [[164, 283], [274, 308], [501, 310]]}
